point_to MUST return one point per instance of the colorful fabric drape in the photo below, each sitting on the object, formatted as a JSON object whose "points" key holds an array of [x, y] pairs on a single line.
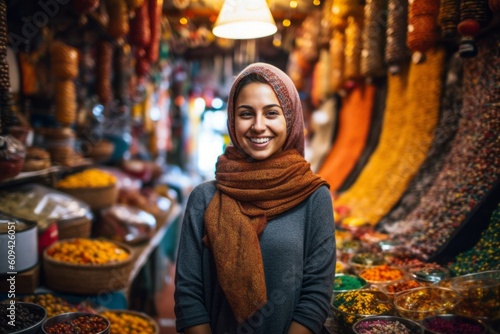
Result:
{"points": [[410, 119], [353, 129]]}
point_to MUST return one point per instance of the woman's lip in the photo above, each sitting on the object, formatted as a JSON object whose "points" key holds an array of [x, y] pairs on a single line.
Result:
{"points": [[259, 144]]}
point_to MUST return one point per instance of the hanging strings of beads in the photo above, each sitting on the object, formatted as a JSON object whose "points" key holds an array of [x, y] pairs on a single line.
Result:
{"points": [[474, 15], [353, 41], [396, 50], [353, 46], [7, 117], [337, 44], [373, 37], [449, 16], [423, 29], [338, 15]]}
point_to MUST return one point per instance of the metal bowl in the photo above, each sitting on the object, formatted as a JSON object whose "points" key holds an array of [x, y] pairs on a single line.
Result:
{"points": [[412, 326], [34, 309], [67, 317], [453, 320]]}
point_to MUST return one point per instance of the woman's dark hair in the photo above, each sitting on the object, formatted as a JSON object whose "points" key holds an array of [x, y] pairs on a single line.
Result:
{"points": [[251, 78]]}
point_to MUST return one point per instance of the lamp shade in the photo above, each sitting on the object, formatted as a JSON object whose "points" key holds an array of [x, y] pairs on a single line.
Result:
{"points": [[244, 19]]}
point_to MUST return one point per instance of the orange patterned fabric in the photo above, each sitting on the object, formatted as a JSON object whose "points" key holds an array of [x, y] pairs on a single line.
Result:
{"points": [[248, 195], [354, 127]]}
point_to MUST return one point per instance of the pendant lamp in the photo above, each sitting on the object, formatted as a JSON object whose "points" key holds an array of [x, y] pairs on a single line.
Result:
{"points": [[244, 19]]}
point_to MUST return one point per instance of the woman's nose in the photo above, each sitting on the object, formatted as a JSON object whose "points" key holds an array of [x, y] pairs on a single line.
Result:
{"points": [[259, 124]]}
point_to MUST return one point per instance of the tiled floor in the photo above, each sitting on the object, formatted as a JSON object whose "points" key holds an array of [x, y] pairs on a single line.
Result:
{"points": [[165, 303]]}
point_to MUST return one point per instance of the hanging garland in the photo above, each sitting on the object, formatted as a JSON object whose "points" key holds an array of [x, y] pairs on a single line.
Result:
{"points": [[373, 37], [396, 50], [474, 15], [337, 45], [423, 29], [449, 16], [353, 46]]}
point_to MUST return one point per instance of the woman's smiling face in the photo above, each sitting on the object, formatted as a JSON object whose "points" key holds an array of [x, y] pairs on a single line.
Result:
{"points": [[260, 125]]}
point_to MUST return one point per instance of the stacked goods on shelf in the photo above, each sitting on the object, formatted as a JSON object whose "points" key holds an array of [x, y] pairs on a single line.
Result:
{"points": [[64, 65], [446, 129], [49, 208], [472, 167], [353, 129], [410, 118]]}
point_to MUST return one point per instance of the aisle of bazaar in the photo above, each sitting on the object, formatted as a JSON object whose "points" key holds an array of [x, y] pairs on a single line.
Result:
{"points": [[112, 111]]}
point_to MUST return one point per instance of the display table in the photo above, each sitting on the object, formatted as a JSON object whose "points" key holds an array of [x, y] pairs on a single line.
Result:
{"points": [[114, 299]]}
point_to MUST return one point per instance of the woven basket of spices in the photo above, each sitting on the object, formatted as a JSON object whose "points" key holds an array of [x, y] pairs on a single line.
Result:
{"points": [[74, 228], [87, 266]]}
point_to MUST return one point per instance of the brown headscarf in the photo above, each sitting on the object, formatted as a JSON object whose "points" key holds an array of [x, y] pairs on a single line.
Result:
{"points": [[251, 192]]}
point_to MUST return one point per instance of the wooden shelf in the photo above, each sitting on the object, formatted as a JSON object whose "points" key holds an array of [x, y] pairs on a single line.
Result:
{"points": [[143, 251], [24, 177]]}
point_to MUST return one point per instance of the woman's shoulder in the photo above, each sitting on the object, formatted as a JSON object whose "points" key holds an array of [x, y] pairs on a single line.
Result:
{"points": [[203, 191], [322, 194]]}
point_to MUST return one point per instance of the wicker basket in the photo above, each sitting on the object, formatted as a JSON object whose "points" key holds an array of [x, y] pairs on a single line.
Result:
{"points": [[97, 198], [87, 279], [156, 328], [74, 228]]}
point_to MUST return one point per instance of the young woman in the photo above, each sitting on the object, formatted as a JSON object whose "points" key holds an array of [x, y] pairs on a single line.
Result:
{"points": [[257, 247]]}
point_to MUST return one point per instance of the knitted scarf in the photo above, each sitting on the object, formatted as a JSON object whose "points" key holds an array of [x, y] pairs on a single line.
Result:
{"points": [[248, 195]]}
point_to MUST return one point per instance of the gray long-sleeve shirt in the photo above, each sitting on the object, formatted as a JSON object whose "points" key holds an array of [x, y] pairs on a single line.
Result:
{"points": [[298, 250]]}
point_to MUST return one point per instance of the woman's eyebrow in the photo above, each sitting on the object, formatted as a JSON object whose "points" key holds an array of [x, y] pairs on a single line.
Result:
{"points": [[265, 107]]}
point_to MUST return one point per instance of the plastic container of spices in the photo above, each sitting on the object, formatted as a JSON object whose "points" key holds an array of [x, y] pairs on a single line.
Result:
{"points": [[480, 294], [383, 274], [429, 274], [363, 260], [420, 303], [405, 284], [345, 282], [347, 249], [351, 306], [453, 324]]}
